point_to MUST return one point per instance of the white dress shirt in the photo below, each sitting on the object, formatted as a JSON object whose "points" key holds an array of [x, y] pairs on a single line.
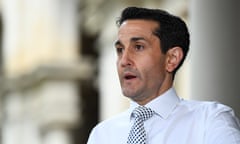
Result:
{"points": [[175, 121]]}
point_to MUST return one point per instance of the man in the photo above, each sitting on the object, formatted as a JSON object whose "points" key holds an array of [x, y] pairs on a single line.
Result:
{"points": [[151, 45]]}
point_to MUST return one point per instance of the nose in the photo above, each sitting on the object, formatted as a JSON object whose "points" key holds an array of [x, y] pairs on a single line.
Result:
{"points": [[126, 59]]}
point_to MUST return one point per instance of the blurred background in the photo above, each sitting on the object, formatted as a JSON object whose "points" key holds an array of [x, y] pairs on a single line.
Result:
{"points": [[58, 75]]}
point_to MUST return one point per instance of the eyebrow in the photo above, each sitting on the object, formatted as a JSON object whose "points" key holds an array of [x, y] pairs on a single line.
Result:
{"points": [[117, 42], [133, 39]]}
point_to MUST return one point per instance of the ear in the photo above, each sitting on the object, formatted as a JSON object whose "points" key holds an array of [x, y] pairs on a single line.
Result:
{"points": [[174, 57]]}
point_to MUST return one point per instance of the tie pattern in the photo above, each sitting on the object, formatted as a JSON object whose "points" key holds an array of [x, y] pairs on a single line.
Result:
{"points": [[137, 134]]}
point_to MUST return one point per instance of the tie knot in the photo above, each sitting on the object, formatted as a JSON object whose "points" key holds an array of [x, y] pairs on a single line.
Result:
{"points": [[143, 113]]}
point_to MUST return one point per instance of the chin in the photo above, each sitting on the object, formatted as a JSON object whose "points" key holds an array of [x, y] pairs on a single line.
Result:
{"points": [[129, 94], [132, 95]]}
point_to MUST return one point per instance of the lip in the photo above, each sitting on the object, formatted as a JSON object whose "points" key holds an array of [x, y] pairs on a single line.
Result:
{"points": [[129, 76]]}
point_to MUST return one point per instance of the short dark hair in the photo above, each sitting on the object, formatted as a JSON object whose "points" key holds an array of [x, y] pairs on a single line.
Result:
{"points": [[172, 30]]}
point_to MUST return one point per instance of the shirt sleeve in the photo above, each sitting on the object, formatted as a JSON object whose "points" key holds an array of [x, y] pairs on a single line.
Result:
{"points": [[223, 126]]}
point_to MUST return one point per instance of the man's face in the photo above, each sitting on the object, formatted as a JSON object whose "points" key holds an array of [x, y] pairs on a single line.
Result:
{"points": [[141, 64]]}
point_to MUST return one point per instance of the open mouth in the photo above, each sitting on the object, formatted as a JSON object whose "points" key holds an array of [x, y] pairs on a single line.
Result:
{"points": [[129, 77]]}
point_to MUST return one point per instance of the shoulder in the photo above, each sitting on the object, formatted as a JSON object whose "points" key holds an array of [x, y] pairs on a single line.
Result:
{"points": [[206, 111], [208, 107], [212, 113], [220, 122]]}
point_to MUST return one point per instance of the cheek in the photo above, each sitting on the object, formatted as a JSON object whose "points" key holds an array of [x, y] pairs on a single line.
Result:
{"points": [[154, 77], [154, 69], [147, 70]]}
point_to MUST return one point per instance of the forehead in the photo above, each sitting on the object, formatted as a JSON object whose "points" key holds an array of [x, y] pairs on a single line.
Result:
{"points": [[137, 28]]}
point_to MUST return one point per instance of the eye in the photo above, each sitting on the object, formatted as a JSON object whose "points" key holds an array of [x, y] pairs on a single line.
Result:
{"points": [[119, 50], [139, 47]]}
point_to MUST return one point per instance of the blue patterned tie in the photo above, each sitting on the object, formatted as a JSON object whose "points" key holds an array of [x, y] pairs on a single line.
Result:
{"points": [[137, 134]]}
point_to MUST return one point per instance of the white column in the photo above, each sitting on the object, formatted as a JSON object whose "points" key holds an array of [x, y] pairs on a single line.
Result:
{"points": [[40, 34], [215, 51], [37, 32], [19, 126], [59, 104], [59, 111], [57, 136]]}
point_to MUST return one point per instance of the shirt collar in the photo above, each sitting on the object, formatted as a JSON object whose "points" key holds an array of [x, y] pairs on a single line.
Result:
{"points": [[163, 105]]}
